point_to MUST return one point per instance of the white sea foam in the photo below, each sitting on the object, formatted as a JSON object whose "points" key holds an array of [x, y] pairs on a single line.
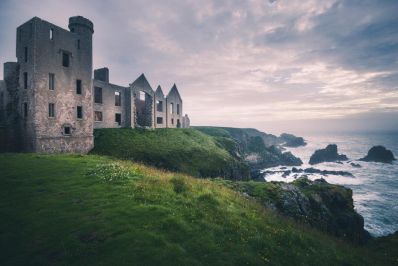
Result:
{"points": [[367, 196], [374, 185]]}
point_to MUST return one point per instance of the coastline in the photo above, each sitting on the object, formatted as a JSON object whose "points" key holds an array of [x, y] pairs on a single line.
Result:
{"points": [[373, 184]]}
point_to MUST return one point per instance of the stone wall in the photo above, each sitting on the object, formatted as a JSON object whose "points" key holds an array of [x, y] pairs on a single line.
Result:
{"points": [[143, 111], [63, 144], [14, 138], [108, 107], [46, 46], [174, 108], [3, 97], [102, 74], [21, 94], [152, 111], [160, 109]]}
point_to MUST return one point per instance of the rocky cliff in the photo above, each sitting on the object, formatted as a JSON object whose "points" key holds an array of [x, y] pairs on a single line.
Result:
{"points": [[258, 149], [291, 140], [324, 206]]}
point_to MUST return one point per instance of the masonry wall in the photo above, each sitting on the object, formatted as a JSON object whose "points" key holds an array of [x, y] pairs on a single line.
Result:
{"points": [[108, 108], [160, 109], [145, 118], [45, 56], [19, 129], [128, 102], [11, 138], [174, 116], [3, 96], [2, 116], [23, 126]]}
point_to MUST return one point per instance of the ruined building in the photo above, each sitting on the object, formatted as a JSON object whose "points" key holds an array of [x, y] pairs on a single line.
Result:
{"points": [[49, 101]]}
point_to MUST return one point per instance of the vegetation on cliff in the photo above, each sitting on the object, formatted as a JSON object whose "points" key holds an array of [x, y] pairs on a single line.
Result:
{"points": [[231, 153], [91, 210], [183, 150], [258, 149], [328, 207]]}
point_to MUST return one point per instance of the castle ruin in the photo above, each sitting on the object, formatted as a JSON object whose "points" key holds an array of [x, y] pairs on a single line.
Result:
{"points": [[50, 102]]}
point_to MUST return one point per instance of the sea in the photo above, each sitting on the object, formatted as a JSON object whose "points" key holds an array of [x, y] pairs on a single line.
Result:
{"points": [[374, 185]]}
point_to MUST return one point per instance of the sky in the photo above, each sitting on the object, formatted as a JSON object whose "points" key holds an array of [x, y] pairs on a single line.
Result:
{"points": [[275, 65]]}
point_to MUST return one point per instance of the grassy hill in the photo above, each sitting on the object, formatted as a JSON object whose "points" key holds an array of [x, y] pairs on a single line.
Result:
{"points": [[232, 153], [183, 150], [94, 210]]}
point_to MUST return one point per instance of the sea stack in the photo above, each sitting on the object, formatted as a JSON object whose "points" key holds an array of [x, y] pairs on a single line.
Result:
{"points": [[379, 154], [329, 154]]}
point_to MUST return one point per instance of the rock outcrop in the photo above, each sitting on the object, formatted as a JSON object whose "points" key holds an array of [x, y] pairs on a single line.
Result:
{"points": [[379, 154], [329, 154], [330, 209], [291, 140], [307, 171], [270, 157], [356, 165], [327, 207], [312, 170]]}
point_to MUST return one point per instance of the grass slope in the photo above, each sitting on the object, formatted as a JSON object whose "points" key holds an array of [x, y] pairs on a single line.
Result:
{"points": [[183, 150], [243, 135], [93, 210]]}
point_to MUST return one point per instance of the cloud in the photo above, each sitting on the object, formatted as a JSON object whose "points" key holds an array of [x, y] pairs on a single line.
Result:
{"points": [[242, 63]]}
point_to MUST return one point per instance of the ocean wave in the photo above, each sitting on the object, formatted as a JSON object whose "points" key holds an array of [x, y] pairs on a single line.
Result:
{"points": [[374, 185]]}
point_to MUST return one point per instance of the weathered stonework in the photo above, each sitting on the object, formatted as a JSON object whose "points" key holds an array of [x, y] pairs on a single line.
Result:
{"points": [[10, 127], [140, 106], [48, 99], [143, 108], [43, 50], [160, 109], [174, 108], [109, 108]]}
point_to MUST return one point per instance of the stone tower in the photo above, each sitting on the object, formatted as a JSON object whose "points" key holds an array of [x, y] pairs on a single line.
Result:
{"points": [[54, 97]]}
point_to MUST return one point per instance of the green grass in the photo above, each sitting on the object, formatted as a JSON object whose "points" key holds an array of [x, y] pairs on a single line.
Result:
{"points": [[242, 135], [93, 210], [182, 150], [215, 131], [249, 142]]}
